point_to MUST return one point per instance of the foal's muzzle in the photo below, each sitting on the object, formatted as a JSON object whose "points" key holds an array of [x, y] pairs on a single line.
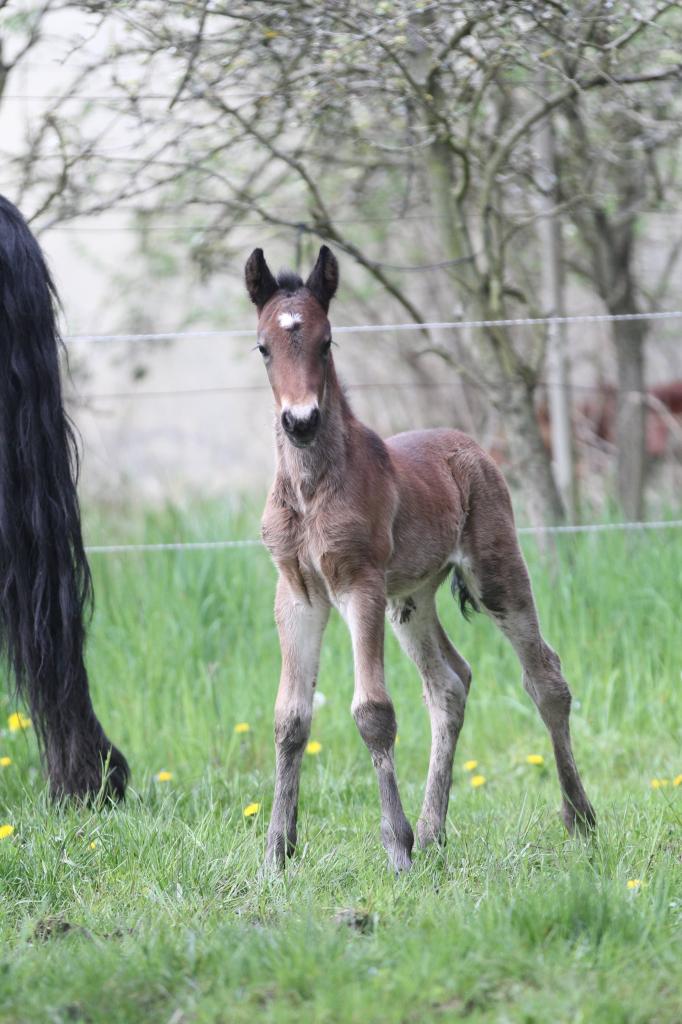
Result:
{"points": [[301, 430]]}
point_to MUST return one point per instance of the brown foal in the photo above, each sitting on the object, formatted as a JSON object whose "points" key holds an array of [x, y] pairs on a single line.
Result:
{"points": [[369, 527]]}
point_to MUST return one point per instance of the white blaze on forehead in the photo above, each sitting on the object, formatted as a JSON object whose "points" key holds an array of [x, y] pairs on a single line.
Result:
{"points": [[289, 320]]}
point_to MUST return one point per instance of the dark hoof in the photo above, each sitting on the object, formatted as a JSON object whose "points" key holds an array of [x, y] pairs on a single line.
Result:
{"points": [[582, 820]]}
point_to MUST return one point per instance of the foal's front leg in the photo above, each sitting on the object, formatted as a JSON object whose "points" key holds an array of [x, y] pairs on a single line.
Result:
{"points": [[300, 623], [363, 608]]}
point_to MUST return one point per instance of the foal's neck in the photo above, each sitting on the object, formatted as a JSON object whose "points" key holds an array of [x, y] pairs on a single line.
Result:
{"points": [[308, 470]]}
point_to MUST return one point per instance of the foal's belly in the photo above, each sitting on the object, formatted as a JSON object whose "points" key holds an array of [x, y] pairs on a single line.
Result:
{"points": [[430, 514]]}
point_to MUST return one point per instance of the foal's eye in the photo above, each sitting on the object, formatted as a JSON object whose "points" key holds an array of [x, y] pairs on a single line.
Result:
{"points": [[263, 351], [326, 345]]}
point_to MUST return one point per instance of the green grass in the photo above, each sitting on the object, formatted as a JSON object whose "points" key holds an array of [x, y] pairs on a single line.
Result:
{"points": [[166, 918]]}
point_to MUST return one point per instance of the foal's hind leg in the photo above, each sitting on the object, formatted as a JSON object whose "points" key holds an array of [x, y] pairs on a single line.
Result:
{"points": [[446, 677], [503, 587]]}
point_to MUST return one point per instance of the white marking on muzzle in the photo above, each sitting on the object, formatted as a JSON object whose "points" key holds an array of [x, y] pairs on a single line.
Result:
{"points": [[290, 320], [300, 412]]}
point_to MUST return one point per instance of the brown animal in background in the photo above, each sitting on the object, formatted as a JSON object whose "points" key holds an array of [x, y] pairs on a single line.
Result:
{"points": [[596, 416], [369, 527]]}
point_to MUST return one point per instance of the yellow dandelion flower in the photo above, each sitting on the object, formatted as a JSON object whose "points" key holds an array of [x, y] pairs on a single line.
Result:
{"points": [[314, 747], [469, 766], [242, 727], [537, 759], [16, 722], [163, 776], [5, 761], [93, 845], [477, 780], [6, 831], [658, 783], [634, 883], [250, 810], [677, 781]]}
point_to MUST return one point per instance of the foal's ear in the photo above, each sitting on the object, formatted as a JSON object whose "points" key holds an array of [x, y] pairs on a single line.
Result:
{"points": [[260, 284], [324, 277]]}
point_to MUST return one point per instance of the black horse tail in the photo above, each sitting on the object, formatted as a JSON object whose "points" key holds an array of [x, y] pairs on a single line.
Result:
{"points": [[461, 593], [45, 585]]}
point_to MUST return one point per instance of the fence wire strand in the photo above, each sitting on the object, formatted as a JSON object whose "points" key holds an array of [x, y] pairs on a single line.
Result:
{"points": [[605, 390], [437, 325], [218, 545]]}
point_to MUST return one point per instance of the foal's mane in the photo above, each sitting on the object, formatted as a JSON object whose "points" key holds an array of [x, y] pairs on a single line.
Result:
{"points": [[289, 281]]}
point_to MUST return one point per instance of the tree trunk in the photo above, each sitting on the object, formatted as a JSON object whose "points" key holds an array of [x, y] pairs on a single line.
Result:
{"points": [[629, 337], [556, 361]]}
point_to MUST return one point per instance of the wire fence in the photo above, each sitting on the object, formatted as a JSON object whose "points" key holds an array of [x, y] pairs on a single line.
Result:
{"points": [[233, 544], [605, 390], [229, 545], [145, 226], [436, 325], [351, 329]]}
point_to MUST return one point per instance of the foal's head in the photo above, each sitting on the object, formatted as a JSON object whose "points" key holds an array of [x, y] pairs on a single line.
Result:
{"points": [[294, 338]]}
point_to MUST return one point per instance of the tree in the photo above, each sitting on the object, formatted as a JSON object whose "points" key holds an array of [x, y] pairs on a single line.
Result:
{"points": [[619, 157], [301, 114], [40, 171]]}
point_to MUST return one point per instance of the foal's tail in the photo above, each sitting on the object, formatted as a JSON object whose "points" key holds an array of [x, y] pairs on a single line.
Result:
{"points": [[45, 585], [461, 593]]}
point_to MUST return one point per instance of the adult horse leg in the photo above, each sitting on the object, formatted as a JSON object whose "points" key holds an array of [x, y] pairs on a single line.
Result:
{"points": [[503, 585], [446, 678], [364, 608], [300, 623]]}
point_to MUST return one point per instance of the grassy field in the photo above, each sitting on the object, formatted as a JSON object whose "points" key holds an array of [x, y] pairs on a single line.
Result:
{"points": [[156, 912]]}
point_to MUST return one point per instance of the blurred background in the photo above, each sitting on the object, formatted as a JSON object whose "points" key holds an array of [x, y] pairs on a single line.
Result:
{"points": [[466, 161]]}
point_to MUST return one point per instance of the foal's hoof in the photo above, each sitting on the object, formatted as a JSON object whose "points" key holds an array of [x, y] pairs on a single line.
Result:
{"points": [[399, 860], [272, 867], [279, 846], [276, 853], [583, 819], [428, 833], [398, 841]]}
